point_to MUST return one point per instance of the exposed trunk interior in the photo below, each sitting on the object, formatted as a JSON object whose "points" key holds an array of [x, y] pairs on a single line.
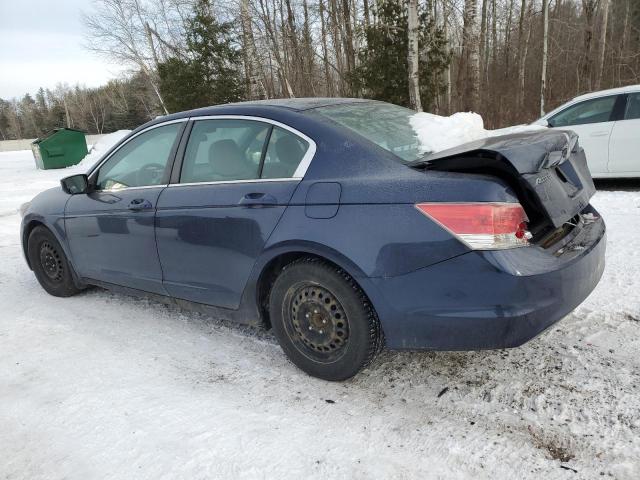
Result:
{"points": [[547, 171]]}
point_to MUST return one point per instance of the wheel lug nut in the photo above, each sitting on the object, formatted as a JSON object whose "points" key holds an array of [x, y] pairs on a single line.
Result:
{"points": [[324, 321], [307, 315], [310, 327], [321, 332]]}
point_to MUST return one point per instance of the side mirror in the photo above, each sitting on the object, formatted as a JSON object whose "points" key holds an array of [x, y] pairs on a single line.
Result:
{"points": [[75, 184]]}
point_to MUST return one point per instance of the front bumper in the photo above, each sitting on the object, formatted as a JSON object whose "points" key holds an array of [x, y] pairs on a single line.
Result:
{"points": [[491, 299]]}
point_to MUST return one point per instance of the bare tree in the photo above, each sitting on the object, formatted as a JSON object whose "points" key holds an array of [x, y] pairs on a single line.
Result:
{"points": [[413, 55], [545, 47], [313, 47], [471, 56], [122, 31], [602, 43], [589, 8]]}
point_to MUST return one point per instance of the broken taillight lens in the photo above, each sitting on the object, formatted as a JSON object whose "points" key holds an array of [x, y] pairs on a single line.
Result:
{"points": [[482, 225]]}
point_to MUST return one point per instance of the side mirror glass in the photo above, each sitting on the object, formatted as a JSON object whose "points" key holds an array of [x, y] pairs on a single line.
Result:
{"points": [[75, 184]]}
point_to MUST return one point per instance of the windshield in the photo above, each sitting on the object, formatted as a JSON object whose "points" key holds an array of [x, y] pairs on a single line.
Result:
{"points": [[384, 124]]}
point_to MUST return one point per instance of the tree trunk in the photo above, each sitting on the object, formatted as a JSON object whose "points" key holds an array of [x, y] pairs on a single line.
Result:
{"points": [[413, 55], [545, 44], [247, 42], [589, 7], [523, 47], [367, 18], [325, 54], [308, 52], [445, 32], [507, 41], [602, 43], [483, 34], [337, 44], [472, 54], [348, 37]]}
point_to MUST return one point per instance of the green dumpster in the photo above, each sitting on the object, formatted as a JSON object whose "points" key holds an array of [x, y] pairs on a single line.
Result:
{"points": [[61, 147]]}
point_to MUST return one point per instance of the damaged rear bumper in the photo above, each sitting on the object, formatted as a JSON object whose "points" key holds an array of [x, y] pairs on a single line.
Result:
{"points": [[490, 299]]}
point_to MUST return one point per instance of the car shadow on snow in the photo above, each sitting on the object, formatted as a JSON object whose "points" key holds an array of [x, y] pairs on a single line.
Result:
{"points": [[618, 184]]}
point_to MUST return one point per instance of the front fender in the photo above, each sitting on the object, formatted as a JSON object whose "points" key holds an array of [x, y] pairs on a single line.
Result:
{"points": [[46, 208]]}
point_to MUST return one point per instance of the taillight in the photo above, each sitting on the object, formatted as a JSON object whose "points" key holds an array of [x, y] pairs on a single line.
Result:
{"points": [[482, 226]]}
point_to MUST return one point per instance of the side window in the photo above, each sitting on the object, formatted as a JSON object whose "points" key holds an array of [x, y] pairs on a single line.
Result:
{"points": [[224, 150], [284, 154], [633, 106], [140, 162], [590, 111]]}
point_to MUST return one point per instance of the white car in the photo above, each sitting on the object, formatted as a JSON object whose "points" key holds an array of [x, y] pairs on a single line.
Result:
{"points": [[608, 123]]}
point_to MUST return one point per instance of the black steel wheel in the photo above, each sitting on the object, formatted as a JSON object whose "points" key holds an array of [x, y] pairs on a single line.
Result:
{"points": [[323, 321], [316, 322], [50, 264]]}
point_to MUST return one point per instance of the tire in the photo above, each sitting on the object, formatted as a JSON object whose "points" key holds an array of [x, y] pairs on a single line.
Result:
{"points": [[50, 264], [323, 320]]}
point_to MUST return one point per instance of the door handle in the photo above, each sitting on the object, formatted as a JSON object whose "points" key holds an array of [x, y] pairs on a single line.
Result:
{"points": [[599, 134], [140, 204], [258, 199]]}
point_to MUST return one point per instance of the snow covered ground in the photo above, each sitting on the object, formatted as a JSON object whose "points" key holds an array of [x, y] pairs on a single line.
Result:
{"points": [[106, 386]]}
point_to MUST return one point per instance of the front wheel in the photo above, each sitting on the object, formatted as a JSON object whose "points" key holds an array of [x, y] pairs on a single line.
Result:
{"points": [[50, 264], [323, 321]]}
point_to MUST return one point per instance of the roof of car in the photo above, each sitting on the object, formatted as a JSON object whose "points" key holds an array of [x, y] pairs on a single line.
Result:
{"points": [[304, 103], [276, 106], [587, 96], [611, 91]]}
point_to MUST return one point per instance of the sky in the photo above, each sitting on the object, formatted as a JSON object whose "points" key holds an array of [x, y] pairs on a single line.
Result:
{"points": [[41, 44]]}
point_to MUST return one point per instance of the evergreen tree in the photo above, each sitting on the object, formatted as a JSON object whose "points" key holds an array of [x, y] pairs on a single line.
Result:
{"points": [[210, 74], [382, 73], [4, 121]]}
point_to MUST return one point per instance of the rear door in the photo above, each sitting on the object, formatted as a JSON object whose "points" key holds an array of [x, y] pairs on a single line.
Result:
{"points": [[111, 229], [235, 180], [624, 146], [593, 121]]}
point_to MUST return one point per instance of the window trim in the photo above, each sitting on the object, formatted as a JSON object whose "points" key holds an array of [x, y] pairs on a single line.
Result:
{"points": [[297, 176]]}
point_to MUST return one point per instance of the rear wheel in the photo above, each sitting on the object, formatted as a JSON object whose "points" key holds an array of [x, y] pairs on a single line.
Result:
{"points": [[323, 321], [50, 264]]}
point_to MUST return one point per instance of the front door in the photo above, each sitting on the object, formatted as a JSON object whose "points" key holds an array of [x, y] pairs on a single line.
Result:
{"points": [[236, 179], [111, 230], [593, 121]]}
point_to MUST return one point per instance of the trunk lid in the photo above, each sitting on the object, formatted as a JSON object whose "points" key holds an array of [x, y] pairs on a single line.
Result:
{"points": [[547, 168]]}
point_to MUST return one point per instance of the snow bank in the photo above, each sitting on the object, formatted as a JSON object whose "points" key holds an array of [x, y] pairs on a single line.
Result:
{"points": [[436, 133], [102, 146]]}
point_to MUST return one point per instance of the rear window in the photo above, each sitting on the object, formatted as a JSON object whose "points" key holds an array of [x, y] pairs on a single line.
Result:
{"points": [[384, 124]]}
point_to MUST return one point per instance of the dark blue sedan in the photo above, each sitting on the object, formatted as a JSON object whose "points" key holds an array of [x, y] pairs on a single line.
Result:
{"points": [[324, 220]]}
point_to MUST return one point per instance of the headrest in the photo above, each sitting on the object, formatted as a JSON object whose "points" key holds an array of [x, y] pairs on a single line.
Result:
{"points": [[289, 150], [225, 158]]}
